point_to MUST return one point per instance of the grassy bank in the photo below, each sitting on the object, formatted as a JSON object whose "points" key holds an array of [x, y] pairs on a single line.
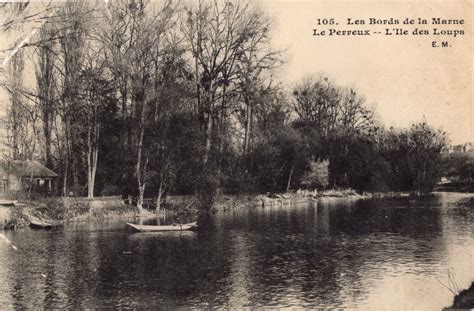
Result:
{"points": [[57, 211], [75, 209]]}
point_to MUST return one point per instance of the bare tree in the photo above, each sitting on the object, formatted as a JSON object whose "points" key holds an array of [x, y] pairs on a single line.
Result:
{"points": [[16, 114], [72, 46], [215, 34], [354, 118], [22, 116], [256, 61], [135, 37], [317, 99], [424, 154], [96, 93], [17, 14], [46, 87]]}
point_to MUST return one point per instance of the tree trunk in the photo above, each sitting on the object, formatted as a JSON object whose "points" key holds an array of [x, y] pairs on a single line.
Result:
{"points": [[346, 150], [75, 174], [92, 158], [65, 176], [31, 184], [95, 157], [207, 150], [47, 140], [90, 188], [141, 196], [160, 195], [247, 127], [289, 178], [66, 158], [140, 169]]}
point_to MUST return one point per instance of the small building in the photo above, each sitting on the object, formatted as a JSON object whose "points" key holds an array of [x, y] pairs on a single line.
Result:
{"points": [[22, 176]]}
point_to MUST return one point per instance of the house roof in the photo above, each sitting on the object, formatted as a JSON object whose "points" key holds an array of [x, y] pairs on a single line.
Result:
{"points": [[25, 169]]}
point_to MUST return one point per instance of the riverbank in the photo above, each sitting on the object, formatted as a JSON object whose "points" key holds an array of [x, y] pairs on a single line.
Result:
{"points": [[57, 211], [232, 202], [465, 187], [463, 300]]}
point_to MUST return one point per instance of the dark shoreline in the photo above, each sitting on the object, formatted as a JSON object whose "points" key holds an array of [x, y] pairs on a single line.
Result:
{"points": [[58, 211], [463, 300]]}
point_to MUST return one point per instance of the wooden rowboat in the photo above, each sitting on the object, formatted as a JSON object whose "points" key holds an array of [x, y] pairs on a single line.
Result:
{"points": [[8, 202], [173, 227], [38, 224]]}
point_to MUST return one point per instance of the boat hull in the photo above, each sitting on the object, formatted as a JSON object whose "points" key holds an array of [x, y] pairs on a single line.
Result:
{"points": [[8, 202], [40, 225], [158, 228]]}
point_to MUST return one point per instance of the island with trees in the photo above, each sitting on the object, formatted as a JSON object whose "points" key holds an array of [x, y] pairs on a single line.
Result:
{"points": [[153, 99]]}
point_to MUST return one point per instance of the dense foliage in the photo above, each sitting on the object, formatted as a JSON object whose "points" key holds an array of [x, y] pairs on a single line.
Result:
{"points": [[147, 99]]}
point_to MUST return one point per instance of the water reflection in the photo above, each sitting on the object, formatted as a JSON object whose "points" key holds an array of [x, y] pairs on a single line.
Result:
{"points": [[334, 253]]}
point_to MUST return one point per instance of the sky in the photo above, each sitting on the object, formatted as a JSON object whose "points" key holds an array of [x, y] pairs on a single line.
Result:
{"points": [[403, 78]]}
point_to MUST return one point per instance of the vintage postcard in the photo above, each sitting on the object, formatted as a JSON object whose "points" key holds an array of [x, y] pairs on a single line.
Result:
{"points": [[236, 154]]}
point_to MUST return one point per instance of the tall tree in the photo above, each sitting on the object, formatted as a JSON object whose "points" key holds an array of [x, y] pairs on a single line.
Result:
{"points": [[222, 38], [96, 92], [73, 24], [22, 115], [256, 62], [135, 38], [46, 87], [333, 119], [425, 146], [216, 35], [17, 121]]}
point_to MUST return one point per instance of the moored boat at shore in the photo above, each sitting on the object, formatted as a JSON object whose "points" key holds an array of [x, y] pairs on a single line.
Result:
{"points": [[8, 202], [38, 224]]}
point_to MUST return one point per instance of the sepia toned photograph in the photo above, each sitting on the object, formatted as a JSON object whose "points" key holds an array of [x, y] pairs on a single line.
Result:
{"points": [[236, 154]]}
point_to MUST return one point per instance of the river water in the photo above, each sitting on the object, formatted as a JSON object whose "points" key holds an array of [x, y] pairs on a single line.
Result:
{"points": [[377, 254]]}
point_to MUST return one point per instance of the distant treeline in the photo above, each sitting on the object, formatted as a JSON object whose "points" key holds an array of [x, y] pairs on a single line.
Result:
{"points": [[151, 98]]}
